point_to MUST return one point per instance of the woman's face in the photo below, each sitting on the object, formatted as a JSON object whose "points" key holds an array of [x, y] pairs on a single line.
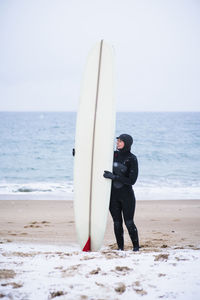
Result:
{"points": [[120, 144]]}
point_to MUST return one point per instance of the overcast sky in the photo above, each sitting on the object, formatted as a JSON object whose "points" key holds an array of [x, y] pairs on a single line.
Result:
{"points": [[44, 45]]}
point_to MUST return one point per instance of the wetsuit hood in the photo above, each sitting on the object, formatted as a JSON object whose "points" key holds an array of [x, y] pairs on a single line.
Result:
{"points": [[128, 141]]}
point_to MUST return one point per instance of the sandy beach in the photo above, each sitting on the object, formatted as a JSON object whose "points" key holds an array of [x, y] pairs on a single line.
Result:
{"points": [[41, 259], [160, 223]]}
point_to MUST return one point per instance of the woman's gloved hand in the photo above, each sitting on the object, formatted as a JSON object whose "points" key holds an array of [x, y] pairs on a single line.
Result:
{"points": [[109, 175]]}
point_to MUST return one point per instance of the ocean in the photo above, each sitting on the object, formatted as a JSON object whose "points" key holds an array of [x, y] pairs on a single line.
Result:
{"points": [[36, 159]]}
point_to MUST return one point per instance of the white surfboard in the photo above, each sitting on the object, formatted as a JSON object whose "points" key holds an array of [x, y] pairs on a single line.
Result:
{"points": [[94, 148]]}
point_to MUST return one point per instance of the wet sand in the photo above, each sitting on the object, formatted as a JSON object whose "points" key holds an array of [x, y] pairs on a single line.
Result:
{"points": [[160, 223]]}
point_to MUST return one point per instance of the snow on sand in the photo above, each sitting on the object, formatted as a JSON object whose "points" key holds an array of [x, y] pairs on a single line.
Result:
{"points": [[58, 272]]}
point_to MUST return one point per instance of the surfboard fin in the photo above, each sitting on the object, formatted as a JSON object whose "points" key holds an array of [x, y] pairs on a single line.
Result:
{"points": [[87, 248]]}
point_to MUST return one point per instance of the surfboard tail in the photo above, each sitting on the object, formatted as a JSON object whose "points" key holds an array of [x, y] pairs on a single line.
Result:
{"points": [[87, 247]]}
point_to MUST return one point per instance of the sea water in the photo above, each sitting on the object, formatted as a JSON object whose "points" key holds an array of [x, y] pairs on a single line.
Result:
{"points": [[36, 159]]}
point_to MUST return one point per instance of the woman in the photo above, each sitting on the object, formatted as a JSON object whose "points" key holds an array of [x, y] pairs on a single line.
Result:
{"points": [[122, 201]]}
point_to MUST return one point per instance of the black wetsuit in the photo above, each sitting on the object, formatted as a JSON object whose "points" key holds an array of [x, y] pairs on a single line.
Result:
{"points": [[122, 201]]}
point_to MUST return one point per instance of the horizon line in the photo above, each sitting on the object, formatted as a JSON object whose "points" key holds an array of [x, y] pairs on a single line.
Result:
{"points": [[118, 111]]}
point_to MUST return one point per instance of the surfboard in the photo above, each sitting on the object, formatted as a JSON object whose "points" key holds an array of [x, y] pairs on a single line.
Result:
{"points": [[95, 127]]}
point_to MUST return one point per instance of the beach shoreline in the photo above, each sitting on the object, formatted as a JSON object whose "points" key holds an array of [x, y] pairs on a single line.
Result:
{"points": [[164, 223]]}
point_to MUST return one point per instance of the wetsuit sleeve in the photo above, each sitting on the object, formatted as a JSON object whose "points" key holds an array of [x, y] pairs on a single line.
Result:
{"points": [[133, 173]]}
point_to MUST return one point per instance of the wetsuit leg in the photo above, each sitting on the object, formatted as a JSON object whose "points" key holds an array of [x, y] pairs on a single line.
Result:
{"points": [[128, 207], [116, 213]]}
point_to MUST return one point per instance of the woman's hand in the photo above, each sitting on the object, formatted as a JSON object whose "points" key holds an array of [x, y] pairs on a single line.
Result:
{"points": [[108, 174]]}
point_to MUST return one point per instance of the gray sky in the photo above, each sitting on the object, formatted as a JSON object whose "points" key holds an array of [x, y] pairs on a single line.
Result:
{"points": [[44, 45]]}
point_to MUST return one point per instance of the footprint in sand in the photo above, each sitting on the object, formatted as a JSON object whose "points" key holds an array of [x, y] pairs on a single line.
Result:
{"points": [[99, 284], [180, 258], [138, 289], [111, 255], [36, 224], [71, 271], [164, 246], [120, 289], [13, 284], [84, 297], [32, 226], [122, 270], [161, 257], [113, 246], [45, 223], [137, 283], [95, 272], [7, 274], [56, 294], [86, 257], [140, 292], [5, 241]]}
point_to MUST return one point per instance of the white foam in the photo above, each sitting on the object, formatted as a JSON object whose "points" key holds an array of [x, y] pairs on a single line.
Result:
{"points": [[166, 193], [36, 191], [64, 191]]}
